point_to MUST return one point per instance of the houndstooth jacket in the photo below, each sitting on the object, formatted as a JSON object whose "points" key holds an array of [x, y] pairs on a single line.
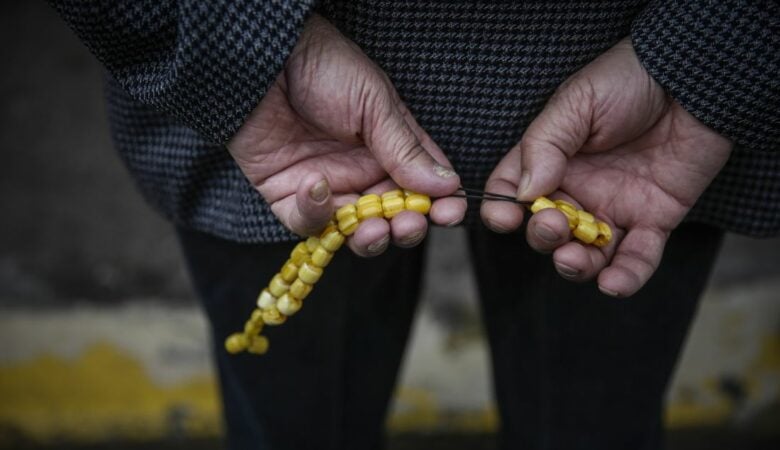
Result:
{"points": [[184, 74]]}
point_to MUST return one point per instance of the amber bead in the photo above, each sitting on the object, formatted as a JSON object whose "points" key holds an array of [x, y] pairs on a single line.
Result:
{"points": [[273, 317], [571, 214], [332, 226], [236, 343], [347, 219], [346, 211], [395, 193], [289, 271], [367, 199], [258, 345], [348, 225], [321, 257], [251, 327], [542, 203], [369, 206], [266, 300], [255, 323], [278, 286], [605, 235], [288, 305], [585, 216], [331, 240], [309, 273], [300, 254], [418, 202], [559, 203], [391, 206], [299, 289], [256, 316], [312, 243], [586, 232]]}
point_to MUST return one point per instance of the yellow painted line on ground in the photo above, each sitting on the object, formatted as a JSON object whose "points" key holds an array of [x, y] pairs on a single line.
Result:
{"points": [[105, 394], [416, 410]]}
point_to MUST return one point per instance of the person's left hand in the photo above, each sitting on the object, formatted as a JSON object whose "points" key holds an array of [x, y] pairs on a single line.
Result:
{"points": [[613, 143]]}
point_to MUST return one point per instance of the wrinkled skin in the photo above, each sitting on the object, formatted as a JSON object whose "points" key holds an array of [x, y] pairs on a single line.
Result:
{"points": [[613, 143], [332, 126], [610, 141]]}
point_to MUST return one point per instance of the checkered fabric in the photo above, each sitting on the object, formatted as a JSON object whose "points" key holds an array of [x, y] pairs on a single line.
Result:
{"points": [[183, 75]]}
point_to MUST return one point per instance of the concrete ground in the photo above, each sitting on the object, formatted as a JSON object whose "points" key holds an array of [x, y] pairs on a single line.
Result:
{"points": [[90, 275]]}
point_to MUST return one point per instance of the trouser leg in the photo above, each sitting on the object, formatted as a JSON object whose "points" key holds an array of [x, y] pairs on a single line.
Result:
{"points": [[573, 368], [326, 381]]}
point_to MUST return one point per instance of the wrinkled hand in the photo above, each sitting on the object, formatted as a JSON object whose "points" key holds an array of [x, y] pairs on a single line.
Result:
{"points": [[612, 142], [331, 127]]}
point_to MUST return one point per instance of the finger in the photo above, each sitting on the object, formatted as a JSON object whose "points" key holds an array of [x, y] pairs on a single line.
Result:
{"points": [[399, 151], [576, 261], [347, 170], [448, 211], [636, 259], [408, 228], [382, 187], [371, 238], [310, 209], [547, 230], [503, 217], [553, 137]]}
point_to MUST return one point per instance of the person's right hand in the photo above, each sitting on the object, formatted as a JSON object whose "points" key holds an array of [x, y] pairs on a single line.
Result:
{"points": [[331, 127]]}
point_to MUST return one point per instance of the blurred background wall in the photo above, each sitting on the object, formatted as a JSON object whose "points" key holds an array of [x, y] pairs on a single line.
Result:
{"points": [[103, 344]]}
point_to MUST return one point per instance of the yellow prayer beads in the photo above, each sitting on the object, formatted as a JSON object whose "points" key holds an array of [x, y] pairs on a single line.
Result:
{"points": [[605, 235], [347, 219], [417, 202], [369, 206], [284, 295], [582, 224], [393, 202]]}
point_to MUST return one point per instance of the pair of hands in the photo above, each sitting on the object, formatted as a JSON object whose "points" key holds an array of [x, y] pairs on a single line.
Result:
{"points": [[610, 141]]}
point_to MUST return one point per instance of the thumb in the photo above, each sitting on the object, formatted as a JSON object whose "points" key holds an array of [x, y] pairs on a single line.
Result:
{"points": [[557, 133], [403, 149], [307, 211]]}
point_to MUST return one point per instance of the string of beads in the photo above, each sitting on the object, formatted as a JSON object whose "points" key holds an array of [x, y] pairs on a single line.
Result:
{"points": [[582, 224], [284, 295]]}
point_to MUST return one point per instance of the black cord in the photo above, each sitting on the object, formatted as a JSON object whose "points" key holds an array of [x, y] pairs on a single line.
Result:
{"points": [[476, 194]]}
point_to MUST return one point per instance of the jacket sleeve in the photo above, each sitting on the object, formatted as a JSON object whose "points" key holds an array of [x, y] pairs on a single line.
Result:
{"points": [[205, 62], [720, 59]]}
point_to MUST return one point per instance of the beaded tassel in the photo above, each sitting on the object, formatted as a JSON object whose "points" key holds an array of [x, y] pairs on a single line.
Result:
{"points": [[284, 295]]}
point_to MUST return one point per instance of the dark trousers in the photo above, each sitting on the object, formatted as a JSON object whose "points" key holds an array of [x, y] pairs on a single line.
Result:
{"points": [[573, 369]]}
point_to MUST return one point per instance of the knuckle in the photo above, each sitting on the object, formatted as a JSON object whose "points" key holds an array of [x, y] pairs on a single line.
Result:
{"points": [[407, 150]]}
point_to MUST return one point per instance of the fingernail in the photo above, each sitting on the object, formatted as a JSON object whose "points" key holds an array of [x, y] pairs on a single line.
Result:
{"points": [[609, 292], [319, 192], [498, 228], [547, 234], [378, 246], [525, 183], [411, 240], [566, 271], [454, 223], [443, 172]]}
